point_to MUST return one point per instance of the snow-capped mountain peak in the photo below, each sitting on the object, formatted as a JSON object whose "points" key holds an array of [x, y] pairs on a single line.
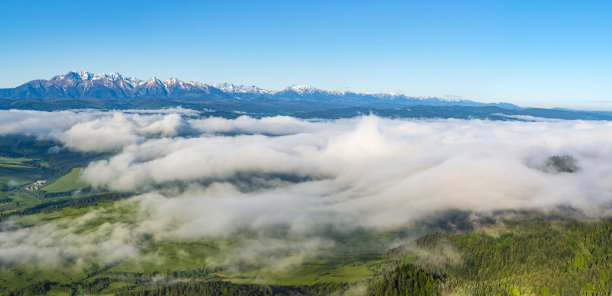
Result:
{"points": [[302, 89], [240, 89], [73, 75], [112, 76], [173, 80], [153, 81]]}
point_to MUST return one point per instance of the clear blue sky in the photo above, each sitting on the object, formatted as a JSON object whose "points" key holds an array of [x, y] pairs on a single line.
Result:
{"points": [[532, 53]]}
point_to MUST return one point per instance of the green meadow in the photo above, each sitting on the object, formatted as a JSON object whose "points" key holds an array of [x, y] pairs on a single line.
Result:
{"points": [[66, 183], [547, 257]]}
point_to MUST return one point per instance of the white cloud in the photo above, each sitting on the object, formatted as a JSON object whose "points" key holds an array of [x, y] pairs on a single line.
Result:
{"points": [[261, 173]]}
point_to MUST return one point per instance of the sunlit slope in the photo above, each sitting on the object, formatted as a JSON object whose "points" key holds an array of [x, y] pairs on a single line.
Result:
{"points": [[68, 182]]}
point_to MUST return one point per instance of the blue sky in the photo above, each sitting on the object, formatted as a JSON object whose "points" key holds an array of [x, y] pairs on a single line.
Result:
{"points": [[532, 53]]}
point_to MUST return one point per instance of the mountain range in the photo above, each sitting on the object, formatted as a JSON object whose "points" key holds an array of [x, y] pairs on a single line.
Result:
{"points": [[85, 85], [84, 90]]}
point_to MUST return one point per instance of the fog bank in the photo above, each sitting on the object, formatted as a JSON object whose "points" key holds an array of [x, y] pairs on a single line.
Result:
{"points": [[291, 178]]}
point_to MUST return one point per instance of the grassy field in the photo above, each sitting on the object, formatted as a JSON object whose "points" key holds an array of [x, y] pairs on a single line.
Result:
{"points": [[14, 162], [157, 258], [324, 269], [66, 183], [527, 257], [21, 171], [26, 159], [15, 173]]}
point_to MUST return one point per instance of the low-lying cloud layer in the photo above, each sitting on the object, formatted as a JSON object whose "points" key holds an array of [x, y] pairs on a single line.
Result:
{"points": [[227, 175]]}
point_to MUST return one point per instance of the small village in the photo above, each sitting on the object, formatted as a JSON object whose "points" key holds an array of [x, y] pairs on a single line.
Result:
{"points": [[36, 185]]}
